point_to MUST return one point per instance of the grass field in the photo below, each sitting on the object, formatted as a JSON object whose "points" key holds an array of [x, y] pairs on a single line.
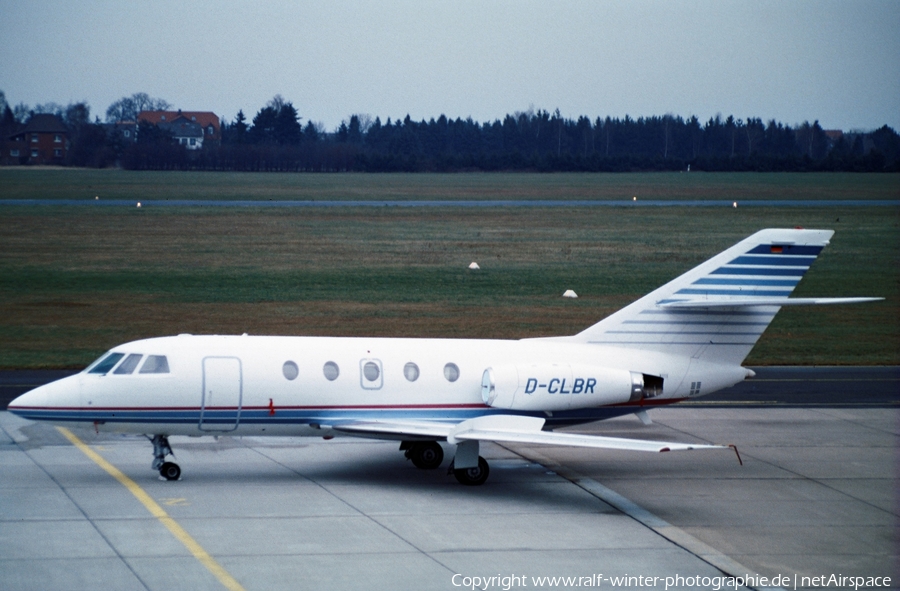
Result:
{"points": [[76, 281], [38, 183]]}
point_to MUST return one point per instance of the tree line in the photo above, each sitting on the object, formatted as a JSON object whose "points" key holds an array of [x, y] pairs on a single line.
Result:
{"points": [[276, 139]]}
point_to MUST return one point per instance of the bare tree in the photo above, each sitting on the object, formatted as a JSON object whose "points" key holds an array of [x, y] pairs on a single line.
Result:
{"points": [[127, 108], [666, 119], [144, 102], [50, 108], [755, 131], [277, 103], [22, 112], [77, 115], [365, 122]]}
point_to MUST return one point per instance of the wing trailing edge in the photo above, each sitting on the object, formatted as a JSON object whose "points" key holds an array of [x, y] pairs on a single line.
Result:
{"points": [[507, 429]]}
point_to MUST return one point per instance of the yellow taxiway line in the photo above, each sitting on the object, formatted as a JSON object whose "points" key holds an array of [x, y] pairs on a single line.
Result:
{"points": [[153, 507]]}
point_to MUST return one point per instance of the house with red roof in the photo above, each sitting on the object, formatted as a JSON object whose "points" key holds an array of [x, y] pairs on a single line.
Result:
{"points": [[43, 140], [190, 128]]}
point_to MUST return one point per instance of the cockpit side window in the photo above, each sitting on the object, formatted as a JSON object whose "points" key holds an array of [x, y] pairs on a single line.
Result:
{"points": [[155, 364], [107, 363], [128, 366]]}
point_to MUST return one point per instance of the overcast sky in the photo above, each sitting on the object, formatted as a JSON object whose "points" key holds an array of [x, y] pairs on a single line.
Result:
{"points": [[837, 61]]}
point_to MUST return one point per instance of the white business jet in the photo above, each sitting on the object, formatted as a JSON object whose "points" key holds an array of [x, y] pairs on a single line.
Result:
{"points": [[686, 339]]}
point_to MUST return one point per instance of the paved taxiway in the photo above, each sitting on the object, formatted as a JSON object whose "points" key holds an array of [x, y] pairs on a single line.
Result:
{"points": [[816, 496]]}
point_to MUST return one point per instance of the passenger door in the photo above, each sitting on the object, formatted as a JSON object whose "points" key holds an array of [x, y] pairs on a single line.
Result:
{"points": [[220, 404]]}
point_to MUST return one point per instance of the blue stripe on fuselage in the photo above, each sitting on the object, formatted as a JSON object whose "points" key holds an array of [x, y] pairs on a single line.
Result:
{"points": [[286, 416]]}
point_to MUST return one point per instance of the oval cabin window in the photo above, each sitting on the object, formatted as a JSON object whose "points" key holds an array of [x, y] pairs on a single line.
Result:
{"points": [[331, 371], [290, 370], [451, 372], [371, 371]]}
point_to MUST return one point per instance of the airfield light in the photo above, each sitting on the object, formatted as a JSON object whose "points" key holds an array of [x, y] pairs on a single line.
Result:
{"points": [[139, 204], [734, 204]]}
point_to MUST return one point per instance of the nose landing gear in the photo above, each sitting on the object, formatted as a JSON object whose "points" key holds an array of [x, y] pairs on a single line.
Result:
{"points": [[161, 449], [170, 471]]}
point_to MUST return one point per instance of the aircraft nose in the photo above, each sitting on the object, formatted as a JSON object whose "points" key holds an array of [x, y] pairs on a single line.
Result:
{"points": [[30, 399], [36, 398], [61, 393]]}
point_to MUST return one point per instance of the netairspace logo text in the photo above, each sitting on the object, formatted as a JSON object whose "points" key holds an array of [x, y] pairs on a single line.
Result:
{"points": [[507, 582]]}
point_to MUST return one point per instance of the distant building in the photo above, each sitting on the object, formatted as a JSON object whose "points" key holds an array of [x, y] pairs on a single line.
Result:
{"points": [[43, 140], [191, 128], [121, 131], [186, 132]]}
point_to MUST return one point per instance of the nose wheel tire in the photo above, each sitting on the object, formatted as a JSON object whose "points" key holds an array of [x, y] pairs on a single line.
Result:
{"points": [[473, 476], [170, 471]]}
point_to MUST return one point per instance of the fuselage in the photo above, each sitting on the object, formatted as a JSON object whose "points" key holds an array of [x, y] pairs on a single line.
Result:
{"points": [[269, 385]]}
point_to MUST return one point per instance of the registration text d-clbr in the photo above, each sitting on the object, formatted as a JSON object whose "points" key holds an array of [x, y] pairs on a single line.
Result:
{"points": [[561, 386]]}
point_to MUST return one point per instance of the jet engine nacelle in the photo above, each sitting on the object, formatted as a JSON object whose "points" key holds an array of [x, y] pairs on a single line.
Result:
{"points": [[558, 386]]}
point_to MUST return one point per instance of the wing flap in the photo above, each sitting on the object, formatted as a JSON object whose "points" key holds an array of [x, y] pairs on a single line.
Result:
{"points": [[592, 441], [515, 429], [399, 429], [508, 429]]}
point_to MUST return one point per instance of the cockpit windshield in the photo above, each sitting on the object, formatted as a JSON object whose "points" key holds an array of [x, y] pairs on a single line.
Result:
{"points": [[106, 363], [127, 366], [153, 364]]}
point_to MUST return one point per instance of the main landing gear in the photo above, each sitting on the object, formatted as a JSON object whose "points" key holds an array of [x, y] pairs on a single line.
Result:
{"points": [[472, 476], [161, 449], [425, 455], [428, 455]]}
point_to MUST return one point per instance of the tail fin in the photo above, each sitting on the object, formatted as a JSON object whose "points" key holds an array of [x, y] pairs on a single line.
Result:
{"points": [[718, 310]]}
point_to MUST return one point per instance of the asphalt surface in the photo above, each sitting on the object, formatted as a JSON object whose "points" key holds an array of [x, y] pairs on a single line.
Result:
{"points": [[782, 386], [812, 386]]}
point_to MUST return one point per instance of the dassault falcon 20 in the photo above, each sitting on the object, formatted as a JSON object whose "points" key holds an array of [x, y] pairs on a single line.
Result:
{"points": [[683, 340]]}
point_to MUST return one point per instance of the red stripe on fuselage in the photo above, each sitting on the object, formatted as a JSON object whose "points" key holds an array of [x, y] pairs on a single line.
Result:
{"points": [[639, 403], [189, 408]]}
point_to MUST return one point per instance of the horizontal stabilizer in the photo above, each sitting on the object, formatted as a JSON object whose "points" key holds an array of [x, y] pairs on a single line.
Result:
{"points": [[750, 302], [717, 311]]}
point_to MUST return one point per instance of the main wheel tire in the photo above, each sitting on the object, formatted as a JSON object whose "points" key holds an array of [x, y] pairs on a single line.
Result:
{"points": [[170, 471], [473, 476], [426, 455]]}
